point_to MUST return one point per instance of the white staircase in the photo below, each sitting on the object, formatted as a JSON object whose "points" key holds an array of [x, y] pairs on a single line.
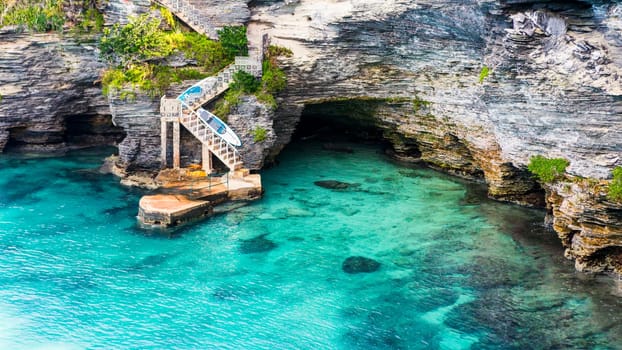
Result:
{"points": [[212, 87], [190, 15], [219, 147]]}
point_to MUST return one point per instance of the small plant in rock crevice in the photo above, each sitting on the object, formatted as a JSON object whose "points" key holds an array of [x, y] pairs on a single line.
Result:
{"points": [[614, 191], [547, 170], [483, 74], [260, 134]]}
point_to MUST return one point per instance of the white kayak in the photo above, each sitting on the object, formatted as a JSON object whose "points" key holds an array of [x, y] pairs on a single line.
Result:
{"points": [[210, 120], [219, 127]]}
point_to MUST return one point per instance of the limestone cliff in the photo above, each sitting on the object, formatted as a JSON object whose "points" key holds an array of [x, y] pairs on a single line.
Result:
{"points": [[554, 88], [50, 97]]}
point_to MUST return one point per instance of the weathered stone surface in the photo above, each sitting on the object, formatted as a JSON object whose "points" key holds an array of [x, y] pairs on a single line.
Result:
{"points": [[588, 224], [224, 13], [554, 88], [140, 117], [435, 51], [120, 11], [50, 98], [359, 264], [245, 119]]}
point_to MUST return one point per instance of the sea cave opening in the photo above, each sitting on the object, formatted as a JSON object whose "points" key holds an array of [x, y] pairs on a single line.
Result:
{"points": [[336, 123]]}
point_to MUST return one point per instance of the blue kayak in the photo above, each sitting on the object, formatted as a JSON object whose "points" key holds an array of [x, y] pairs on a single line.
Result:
{"points": [[193, 91]]}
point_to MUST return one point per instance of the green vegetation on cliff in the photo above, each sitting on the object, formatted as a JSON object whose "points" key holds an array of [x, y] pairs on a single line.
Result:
{"points": [[273, 80], [137, 50], [38, 16], [547, 170], [149, 78], [260, 134], [419, 104], [244, 82], [137, 41], [615, 186], [483, 74], [82, 16], [234, 41]]}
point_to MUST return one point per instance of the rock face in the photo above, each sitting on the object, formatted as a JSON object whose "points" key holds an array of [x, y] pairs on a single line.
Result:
{"points": [[50, 99], [248, 120], [588, 224], [224, 13], [120, 11], [554, 88], [140, 117]]}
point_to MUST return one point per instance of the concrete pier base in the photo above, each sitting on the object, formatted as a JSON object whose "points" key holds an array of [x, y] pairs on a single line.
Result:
{"points": [[184, 198]]}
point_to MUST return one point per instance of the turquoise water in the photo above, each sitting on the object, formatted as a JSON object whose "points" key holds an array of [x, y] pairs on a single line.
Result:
{"points": [[457, 271]]}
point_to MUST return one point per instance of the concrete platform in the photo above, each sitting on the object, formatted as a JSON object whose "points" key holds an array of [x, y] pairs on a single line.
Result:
{"points": [[185, 196], [171, 209]]}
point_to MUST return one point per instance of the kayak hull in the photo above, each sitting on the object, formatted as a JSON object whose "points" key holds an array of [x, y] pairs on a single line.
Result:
{"points": [[210, 120]]}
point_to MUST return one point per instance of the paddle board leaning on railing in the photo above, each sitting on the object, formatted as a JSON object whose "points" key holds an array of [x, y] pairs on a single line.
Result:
{"points": [[219, 127]]}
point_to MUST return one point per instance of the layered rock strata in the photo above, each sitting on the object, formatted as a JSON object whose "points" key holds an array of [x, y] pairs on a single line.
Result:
{"points": [[50, 97], [481, 86]]}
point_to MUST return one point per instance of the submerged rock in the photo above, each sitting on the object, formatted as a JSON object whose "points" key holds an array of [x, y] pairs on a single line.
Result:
{"points": [[359, 264], [333, 184], [257, 244]]}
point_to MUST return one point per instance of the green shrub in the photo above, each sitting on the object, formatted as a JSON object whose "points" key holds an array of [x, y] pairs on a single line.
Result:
{"points": [[137, 41], [208, 53], [266, 99], [276, 51], [168, 17], [483, 74], [547, 169], [151, 79], [224, 105], [35, 15], [92, 21], [615, 186], [244, 82], [234, 41], [273, 78], [260, 134]]}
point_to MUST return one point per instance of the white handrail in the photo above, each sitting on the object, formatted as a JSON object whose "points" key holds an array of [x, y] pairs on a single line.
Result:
{"points": [[226, 152], [187, 12]]}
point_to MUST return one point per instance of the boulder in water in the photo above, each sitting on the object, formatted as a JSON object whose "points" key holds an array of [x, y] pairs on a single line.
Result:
{"points": [[257, 244], [359, 264], [333, 184]]}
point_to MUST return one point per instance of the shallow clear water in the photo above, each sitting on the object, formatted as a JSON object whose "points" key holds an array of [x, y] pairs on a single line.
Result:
{"points": [[457, 271]]}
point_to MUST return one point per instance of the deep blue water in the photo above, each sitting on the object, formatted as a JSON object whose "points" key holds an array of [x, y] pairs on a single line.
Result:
{"points": [[457, 271]]}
